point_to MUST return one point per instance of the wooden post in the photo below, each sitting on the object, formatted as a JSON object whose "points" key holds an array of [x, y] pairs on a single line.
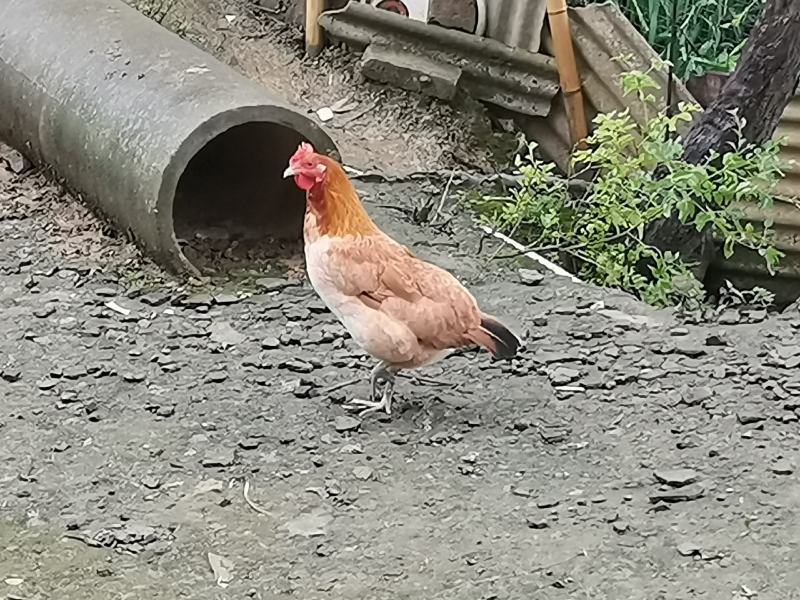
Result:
{"points": [[314, 36], [567, 69]]}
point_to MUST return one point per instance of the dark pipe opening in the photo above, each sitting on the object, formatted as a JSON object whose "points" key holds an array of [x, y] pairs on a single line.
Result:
{"points": [[233, 211]]}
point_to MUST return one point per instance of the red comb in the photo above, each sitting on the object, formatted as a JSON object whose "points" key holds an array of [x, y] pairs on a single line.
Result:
{"points": [[304, 149]]}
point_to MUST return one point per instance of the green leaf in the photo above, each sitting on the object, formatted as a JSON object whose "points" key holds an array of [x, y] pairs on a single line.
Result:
{"points": [[728, 246]]}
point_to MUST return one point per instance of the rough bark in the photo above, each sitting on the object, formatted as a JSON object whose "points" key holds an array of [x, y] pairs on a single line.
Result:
{"points": [[758, 91]]}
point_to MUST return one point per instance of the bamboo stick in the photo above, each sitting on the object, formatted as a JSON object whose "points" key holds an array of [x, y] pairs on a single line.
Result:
{"points": [[567, 70], [314, 36]]}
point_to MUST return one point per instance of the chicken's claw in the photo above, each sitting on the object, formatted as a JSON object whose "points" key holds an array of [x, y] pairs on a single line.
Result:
{"points": [[366, 407], [372, 406]]}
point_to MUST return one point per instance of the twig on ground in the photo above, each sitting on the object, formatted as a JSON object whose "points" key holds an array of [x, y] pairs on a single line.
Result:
{"points": [[402, 209], [342, 384], [500, 246], [354, 116], [256, 6], [429, 381], [549, 265], [252, 504], [565, 247], [438, 212]]}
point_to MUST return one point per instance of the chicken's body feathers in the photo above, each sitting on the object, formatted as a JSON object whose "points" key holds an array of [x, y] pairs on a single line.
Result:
{"points": [[399, 308]]}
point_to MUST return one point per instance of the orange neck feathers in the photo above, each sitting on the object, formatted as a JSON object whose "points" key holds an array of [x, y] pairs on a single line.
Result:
{"points": [[336, 205]]}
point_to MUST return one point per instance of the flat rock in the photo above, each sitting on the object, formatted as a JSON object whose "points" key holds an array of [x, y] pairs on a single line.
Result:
{"points": [[621, 527], [209, 485], [782, 467], [222, 569], [216, 376], [151, 482], [44, 312], [750, 416], [716, 339], [270, 343], [530, 277], [730, 317], [688, 549], [106, 292], [10, 374], [154, 298], [226, 299], [46, 384], [563, 375], [249, 443], [363, 473], [220, 457], [344, 423], [311, 524], [547, 502], [537, 523], [695, 396], [689, 348], [224, 334], [196, 300], [676, 477], [272, 284], [683, 494], [785, 351]]}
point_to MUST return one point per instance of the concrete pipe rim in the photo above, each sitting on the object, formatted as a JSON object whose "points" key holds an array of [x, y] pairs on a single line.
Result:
{"points": [[205, 133]]}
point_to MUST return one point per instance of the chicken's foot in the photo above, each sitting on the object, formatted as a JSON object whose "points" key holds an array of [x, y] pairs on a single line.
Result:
{"points": [[384, 404], [381, 372]]}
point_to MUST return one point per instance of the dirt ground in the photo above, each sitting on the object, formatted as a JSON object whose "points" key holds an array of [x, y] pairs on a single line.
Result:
{"points": [[161, 440], [376, 128]]}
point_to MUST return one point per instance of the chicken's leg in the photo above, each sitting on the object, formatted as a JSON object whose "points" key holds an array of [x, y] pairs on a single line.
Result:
{"points": [[381, 371]]}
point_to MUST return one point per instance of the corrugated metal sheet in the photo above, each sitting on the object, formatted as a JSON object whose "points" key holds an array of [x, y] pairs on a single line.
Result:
{"points": [[491, 71], [790, 127], [601, 37], [516, 23]]}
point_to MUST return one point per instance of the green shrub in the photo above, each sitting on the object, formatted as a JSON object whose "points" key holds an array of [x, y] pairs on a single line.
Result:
{"points": [[603, 230]]}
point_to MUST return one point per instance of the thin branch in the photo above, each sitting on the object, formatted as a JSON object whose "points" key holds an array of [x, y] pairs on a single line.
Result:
{"points": [[569, 247], [437, 213], [252, 504], [547, 264]]}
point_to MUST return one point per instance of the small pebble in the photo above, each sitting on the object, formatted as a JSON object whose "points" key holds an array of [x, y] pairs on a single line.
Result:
{"points": [[676, 477], [362, 473], [537, 523], [782, 467], [688, 549], [343, 423]]}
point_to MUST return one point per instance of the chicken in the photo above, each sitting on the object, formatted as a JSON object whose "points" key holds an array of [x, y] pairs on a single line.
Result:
{"points": [[403, 311]]}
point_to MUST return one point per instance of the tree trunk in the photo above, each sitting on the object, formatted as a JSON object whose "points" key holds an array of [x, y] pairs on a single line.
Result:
{"points": [[758, 90]]}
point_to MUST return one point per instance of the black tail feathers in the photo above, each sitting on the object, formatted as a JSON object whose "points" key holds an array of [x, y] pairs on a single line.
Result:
{"points": [[506, 343]]}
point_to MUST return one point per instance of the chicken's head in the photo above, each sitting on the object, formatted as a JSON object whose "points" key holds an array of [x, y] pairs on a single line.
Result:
{"points": [[307, 167]]}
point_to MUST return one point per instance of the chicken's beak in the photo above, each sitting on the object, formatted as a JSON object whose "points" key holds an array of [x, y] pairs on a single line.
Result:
{"points": [[288, 172]]}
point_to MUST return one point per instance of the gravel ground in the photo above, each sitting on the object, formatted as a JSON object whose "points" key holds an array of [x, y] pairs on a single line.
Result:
{"points": [[625, 454], [171, 439]]}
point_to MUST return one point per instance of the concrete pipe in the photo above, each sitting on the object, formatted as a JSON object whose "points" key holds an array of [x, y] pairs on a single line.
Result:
{"points": [[156, 134]]}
